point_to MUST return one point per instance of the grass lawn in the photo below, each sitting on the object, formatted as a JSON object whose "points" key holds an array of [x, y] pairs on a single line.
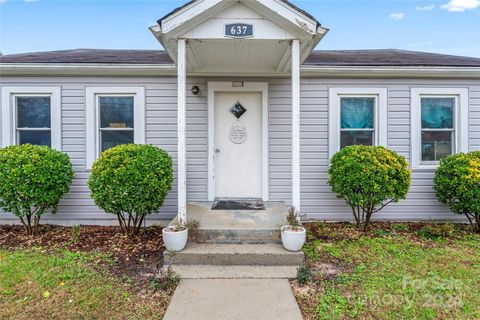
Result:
{"points": [[397, 271], [81, 273]]}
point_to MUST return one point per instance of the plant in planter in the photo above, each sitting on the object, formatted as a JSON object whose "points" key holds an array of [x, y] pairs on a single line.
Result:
{"points": [[457, 185], [131, 181], [293, 235], [175, 236], [33, 180], [368, 179]]}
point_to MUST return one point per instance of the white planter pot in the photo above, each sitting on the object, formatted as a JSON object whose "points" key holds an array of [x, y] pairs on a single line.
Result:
{"points": [[174, 240], [293, 240]]}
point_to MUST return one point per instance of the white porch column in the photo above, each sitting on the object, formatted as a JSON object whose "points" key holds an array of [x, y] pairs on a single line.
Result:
{"points": [[296, 125], [182, 132]]}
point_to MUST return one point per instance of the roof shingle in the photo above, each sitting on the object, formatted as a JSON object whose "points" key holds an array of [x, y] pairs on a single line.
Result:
{"points": [[91, 56], [385, 57]]}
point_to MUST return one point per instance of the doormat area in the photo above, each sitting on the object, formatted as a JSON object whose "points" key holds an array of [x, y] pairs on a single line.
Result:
{"points": [[238, 205]]}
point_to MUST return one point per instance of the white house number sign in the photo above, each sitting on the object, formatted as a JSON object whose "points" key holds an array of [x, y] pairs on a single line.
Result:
{"points": [[238, 133]]}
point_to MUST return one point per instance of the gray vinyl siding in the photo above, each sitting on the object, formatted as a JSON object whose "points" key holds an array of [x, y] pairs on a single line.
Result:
{"points": [[161, 118], [317, 200]]}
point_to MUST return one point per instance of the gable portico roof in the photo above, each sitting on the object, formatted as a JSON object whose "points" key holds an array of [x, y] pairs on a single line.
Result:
{"points": [[294, 7], [202, 23]]}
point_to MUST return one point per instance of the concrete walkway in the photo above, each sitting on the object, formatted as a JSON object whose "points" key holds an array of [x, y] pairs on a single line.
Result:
{"points": [[233, 299]]}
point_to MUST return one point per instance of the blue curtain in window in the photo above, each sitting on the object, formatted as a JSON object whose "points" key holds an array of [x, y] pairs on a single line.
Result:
{"points": [[437, 113], [357, 113]]}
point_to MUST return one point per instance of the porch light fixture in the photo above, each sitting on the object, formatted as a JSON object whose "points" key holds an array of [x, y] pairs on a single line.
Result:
{"points": [[195, 90]]}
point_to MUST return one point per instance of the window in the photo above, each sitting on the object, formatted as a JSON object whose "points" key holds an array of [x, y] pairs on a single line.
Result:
{"points": [[439, 124], [31, 115], [357, 116], [116, 121], [115, 116], [357, 121]]}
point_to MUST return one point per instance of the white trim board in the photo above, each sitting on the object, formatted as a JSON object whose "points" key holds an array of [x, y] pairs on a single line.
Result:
{"points": [[72, 69], [214, 87], [461, 121], [8, 112], [381, 114], [91, 119]]}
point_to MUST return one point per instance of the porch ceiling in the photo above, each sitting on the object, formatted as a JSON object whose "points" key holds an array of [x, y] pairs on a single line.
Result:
{"points": [[238, 56]]}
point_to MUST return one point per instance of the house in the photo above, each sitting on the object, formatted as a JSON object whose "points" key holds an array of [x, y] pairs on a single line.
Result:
{"points": [[246, 107]]}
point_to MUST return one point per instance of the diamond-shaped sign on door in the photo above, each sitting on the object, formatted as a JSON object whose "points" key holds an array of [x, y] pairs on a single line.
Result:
{"points": [[238, 110]]}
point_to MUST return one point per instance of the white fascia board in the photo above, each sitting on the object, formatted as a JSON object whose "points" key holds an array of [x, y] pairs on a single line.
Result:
{"points": [[200, 7], [381, 72], [38, 69], [295, 17], [187, 14]]}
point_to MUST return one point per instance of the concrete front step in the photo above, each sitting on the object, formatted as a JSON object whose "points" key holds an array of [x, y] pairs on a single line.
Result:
{"points": [[234, 272], [238, 236], [234, 254], [238, 226]]}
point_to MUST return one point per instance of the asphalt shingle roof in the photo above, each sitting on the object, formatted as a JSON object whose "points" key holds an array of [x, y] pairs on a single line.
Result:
{"points": [[385, 57]]}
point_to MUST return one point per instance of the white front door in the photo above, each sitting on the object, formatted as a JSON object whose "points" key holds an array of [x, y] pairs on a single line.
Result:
{"points": [[238, 145]]}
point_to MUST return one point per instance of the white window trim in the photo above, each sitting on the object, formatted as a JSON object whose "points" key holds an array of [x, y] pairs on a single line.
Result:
{"points": [[381, 114], [9, 136], [460, 126], [92, 126]]}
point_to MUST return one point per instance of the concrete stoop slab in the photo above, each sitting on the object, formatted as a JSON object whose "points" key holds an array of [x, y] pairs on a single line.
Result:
{"points": [[234, 254], [238, 226], [234, 272], [240, 299]]}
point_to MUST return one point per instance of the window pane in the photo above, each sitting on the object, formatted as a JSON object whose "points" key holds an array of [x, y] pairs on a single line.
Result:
{"points": [[116, 112], [110, 139], [33, 112], [437, 113], [357, 113], [350, 138], [436, 145], [34, 137]]}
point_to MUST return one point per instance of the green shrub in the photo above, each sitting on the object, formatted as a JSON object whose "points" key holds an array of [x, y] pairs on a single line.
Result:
{"points": [[304, 275], [167, 279], [400, 227], [368, 178], [381, 233], [457, 185], [437, 230], [33, 179], [131, 181]]}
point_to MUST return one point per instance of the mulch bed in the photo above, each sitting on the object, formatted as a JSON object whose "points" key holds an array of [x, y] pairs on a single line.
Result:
{"points": [[137, 259], [348, 231]]}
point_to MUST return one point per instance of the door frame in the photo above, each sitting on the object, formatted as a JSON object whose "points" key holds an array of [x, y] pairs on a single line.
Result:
{"points": [[213, 88]]}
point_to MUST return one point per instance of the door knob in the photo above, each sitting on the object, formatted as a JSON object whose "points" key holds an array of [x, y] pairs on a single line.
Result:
{"points": [[217, 150]]}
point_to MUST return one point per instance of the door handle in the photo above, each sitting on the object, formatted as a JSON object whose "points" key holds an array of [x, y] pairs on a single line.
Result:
{"points": [[217, 150]]}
